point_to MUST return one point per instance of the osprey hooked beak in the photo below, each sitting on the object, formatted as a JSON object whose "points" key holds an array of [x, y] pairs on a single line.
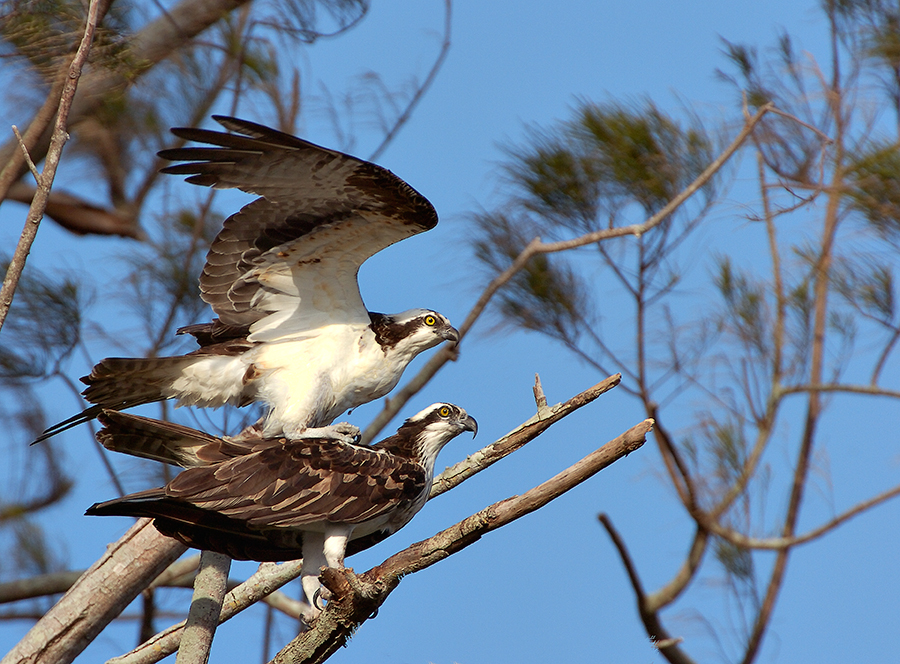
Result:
{"points": [[451, 334], [469, 424]]}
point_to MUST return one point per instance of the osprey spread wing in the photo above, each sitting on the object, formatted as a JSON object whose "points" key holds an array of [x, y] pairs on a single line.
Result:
{"points": [[278, 499], [292, 330]]}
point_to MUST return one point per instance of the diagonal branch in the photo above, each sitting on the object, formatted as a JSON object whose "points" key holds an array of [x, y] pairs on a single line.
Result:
{"points": [[58, 140], [101, 594], [393, 405], [662, 640], [356, 598], [517, 438]]}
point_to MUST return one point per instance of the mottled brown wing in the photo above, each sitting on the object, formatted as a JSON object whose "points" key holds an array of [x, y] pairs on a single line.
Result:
{"points": [[303, 482], [287, 262]]}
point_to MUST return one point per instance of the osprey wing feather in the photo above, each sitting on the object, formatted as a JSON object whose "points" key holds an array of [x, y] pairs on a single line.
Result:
{"points": [[292, 330], [287, 262]]}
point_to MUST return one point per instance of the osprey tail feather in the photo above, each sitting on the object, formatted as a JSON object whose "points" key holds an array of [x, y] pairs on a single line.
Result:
{"points": [[118, 383]]}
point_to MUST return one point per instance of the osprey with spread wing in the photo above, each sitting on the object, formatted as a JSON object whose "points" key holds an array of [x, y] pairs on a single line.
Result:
{"points": [[317, 497], [292, 330]]}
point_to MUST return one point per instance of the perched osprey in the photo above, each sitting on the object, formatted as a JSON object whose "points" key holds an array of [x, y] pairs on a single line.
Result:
{"points": [[279, 499], [292, 330]]}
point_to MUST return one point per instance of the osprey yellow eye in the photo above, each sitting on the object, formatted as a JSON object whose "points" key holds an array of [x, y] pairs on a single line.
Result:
{"points": [[430, 320], [444, 412]]}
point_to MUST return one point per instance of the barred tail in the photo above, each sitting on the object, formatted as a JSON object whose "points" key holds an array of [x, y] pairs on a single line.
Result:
{"points": [[157, 440], [118, 383]]}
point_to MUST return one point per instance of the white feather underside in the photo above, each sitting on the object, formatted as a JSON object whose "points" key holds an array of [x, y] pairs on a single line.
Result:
{"points": [[306, 381]]}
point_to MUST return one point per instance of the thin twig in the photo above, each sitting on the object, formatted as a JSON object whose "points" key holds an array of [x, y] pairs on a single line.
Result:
{"points": [[420, 92], [45, 180], [399, 399], [26, 156]]}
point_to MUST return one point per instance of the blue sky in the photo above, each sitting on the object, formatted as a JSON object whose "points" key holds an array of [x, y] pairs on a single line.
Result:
{"points": [[549, 587]]}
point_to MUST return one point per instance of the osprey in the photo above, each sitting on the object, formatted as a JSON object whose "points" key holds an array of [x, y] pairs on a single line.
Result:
{"points": [[316, 498], [292, 330]]}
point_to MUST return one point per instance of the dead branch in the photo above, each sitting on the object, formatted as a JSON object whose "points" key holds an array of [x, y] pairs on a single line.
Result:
{"points": [[102, 592], [356, 598], [664, 642], [516, 438], [206, 607], [57, 141]]}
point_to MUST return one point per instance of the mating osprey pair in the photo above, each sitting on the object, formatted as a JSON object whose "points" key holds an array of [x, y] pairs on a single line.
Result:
{"points": [[293, 333]]}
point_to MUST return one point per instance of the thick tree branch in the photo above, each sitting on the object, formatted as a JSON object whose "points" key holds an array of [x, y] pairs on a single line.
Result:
{"points": [[206, 607], [102, 592], [356, 598]]}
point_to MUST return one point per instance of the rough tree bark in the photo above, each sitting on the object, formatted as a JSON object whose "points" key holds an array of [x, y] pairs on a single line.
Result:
{"points": [[102, 592]]}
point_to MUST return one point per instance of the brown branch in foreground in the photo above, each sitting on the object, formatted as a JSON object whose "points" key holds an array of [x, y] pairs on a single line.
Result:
{"points": [[57, 141], [101, 594], [662, 640], [356, 598], [206, 607], [393, 405]]}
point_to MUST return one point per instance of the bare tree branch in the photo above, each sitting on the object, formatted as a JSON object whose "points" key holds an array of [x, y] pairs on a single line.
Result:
{"points": [[206, 607], [780, 543], [394, 404], [517, 438], [356, 598], [58, 140], [102, 592], [872, 390]]}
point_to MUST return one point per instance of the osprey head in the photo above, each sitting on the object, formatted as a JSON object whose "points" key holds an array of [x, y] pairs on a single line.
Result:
{"points": [[424, 434], [412, 331]]}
